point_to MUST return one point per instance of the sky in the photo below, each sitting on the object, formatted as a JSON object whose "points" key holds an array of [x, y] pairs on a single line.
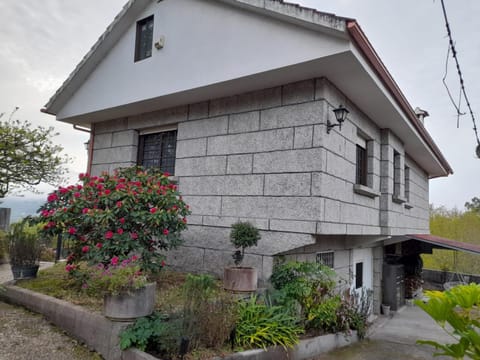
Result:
{"points": [[42, 42]]}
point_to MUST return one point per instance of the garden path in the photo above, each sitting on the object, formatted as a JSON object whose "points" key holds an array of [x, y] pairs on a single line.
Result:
{"points": [[394, 339], [27, 336]]}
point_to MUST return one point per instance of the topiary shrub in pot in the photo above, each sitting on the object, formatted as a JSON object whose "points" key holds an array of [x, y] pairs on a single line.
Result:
{"points": [[239, 278], [23, 250]]}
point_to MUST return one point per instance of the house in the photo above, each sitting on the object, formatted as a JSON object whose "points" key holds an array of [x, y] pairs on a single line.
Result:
{"points": [[235, 98]]}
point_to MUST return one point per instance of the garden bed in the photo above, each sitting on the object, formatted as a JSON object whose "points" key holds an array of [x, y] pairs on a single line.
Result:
{"points": [[101, 334]]}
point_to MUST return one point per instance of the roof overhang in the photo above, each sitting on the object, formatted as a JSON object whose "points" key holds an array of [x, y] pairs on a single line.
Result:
{"points": [[356, 72], [437, 242]]}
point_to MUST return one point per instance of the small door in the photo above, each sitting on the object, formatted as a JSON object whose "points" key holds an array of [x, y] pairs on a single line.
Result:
{"points": [[362, 261]]}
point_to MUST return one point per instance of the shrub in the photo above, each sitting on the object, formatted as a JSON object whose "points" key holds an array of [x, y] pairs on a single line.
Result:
{"points": [[23, 244], [132, 212], [209, 313], [324, 315], [305, 282], [156, 333], [260, 325], [243, 235], [457, 312]]}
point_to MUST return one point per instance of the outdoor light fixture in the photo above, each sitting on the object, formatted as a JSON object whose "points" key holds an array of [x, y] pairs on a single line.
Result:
{"points": [[87, 145], [341, 115]]}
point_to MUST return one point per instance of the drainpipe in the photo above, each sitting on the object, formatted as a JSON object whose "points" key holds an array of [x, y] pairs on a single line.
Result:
{"points": [[90, 145]]}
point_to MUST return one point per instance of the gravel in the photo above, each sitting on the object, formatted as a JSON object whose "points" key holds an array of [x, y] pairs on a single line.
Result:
{"points": [[28, 336]]}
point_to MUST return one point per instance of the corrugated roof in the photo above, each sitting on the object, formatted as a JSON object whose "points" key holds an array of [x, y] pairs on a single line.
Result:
{"points": [[446, 243]]}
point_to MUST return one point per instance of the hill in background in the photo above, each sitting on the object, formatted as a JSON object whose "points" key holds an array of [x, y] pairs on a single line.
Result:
{"points": [[22, 206]]}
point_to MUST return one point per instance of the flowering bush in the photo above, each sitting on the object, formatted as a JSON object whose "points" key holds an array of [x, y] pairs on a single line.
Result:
{"points": [[118, 277], [132, 212]]}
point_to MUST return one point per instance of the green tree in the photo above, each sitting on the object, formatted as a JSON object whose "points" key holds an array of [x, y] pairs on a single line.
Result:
{"points": [[474, 205], [28, 156]]}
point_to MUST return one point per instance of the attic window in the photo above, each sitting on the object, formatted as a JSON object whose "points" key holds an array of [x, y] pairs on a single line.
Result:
{"points": [[144, 39]]}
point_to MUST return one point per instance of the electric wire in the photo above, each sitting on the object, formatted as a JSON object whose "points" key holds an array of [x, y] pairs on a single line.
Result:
{"points": [[460, 75]]}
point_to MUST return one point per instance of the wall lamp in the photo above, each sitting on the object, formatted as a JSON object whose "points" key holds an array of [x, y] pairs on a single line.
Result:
{"points": [[341, 115]]}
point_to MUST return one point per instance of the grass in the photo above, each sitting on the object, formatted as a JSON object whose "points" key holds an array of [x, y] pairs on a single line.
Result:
{"points": [[55, 282]]}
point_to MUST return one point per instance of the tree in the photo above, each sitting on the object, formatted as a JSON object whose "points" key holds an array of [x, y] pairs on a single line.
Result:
{"points": [[28, 156], [474, 205]]}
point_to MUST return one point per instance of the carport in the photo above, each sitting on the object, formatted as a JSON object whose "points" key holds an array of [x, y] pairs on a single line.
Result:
{"points": [[402, 268]]}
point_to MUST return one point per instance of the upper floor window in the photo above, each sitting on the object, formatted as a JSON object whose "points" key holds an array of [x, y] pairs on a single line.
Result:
{"points": [[361, 167], [144, 39], [396, 173], [407, 183], [158, 150]]}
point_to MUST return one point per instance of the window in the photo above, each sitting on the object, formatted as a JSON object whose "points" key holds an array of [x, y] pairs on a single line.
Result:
{"points": [[144, 39], [396, 174], [361, 175], [407, 183], [326, 258], [358, 275], [158, 150]]}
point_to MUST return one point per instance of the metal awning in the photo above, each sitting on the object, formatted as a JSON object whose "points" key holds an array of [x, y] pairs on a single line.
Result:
{"points": [[437, 242]]}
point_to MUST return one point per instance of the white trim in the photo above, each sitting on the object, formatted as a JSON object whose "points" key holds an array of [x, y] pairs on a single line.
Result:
{"points": [[157, 129]]}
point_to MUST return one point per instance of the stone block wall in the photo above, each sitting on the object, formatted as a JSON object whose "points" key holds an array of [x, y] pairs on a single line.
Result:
{"points": [[265, 157]]}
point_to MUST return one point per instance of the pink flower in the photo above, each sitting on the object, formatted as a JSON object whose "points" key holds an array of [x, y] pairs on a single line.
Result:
{"points": [[63, 190], [52, 197], [72, 230], [77, 194], [163, 263], [119, 204], [85, 249], [109, 234], [122, 220], [85, 210], [134, 258], [166, 174], [134, 236], [165, 231], [120, 231], [153, 210], [45, 213], [99, 245], [107, 192], [114, 260], [69, 267]]}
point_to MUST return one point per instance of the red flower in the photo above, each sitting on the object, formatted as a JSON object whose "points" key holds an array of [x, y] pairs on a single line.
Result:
{"points": [[120, 231], [63, 190], [72, 230], [45, 213], [114, 260], [85, 210], [77, 194], [119, 204], [165, 231], [166, 174], [99, 245], [109, 234], [69, 267], [107, 192], [153, 210], [134, 236], [52, 197], [85, 249], [122, 220], [163, 263]]}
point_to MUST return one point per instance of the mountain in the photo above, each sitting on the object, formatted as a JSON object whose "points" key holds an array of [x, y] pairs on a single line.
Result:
{"points": [[21, 207]]}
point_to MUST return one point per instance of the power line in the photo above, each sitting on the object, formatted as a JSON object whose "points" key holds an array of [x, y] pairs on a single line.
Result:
{"points": [[460, 75]]}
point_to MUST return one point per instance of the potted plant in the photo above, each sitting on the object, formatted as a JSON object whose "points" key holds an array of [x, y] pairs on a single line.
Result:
{"points": [[127, 293], [24, 250], [241, 279]]}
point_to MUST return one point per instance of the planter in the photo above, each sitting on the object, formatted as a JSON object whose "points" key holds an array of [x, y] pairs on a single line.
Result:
{"points": [[386, 310], [24, 271], [240, 279], [129, 306]]}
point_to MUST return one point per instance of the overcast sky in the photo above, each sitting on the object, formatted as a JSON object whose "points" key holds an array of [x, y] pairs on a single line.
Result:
{"points": [[42, 41]]}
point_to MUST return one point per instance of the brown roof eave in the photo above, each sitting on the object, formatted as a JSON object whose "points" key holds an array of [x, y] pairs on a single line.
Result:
{"points": [[364, 45]]}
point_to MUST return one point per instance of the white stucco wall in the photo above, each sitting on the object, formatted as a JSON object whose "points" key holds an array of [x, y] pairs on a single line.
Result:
{"points": [[206, 42]]}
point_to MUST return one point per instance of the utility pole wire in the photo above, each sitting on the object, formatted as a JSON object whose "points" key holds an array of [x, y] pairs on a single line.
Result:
{"points": [[462, 83]]}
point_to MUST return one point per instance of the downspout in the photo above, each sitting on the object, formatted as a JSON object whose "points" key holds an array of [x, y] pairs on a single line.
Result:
{"points": [[90, 145]]}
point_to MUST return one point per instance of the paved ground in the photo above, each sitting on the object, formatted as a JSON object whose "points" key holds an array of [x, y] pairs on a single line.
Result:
{"points": [[394, 339], [28, 336]]}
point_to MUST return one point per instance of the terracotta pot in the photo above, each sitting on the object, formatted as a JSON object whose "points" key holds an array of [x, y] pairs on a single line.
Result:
{"points": [[129, 306], [241, 279]]}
